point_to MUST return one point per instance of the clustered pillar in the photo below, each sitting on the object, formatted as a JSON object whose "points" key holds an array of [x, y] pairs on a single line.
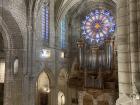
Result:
{"points": [[128, 54]]}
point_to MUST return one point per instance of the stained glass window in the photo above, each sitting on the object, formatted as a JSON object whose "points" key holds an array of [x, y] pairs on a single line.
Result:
{"points": [[98, 25], [45, 23], [63, 27]]}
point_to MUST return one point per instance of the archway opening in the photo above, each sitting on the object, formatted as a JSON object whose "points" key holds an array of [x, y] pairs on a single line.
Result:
{"points": [[61, 98], [62, 86], [2, 69], [43, 89]]}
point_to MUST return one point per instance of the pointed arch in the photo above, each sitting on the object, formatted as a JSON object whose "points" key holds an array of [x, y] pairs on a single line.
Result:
{"points": [[49, 74], [61, 98], [40, 12], [46, 86], [13, 35], [13, 47], [43, 82]]}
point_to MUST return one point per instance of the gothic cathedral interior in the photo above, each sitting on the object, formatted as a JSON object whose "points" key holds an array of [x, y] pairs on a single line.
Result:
{"points": [[69, 52]]}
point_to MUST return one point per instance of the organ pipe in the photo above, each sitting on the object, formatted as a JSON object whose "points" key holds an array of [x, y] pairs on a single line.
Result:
{"points": [[95, 57], [113, 49], [80, 45], [109, 48]]}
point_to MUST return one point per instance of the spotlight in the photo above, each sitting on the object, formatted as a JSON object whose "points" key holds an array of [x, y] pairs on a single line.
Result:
{"points": [[45, 53]]}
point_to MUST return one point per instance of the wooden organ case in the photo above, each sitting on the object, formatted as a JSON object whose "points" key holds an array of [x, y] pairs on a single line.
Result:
{"points": [[96, 68]]}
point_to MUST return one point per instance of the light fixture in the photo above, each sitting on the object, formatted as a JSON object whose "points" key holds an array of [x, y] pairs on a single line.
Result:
{"points": [[137, 96], [46, 89], [62, 54], [45, 53]]}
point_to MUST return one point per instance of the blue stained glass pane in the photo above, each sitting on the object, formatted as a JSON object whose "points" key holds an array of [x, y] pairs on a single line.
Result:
{"points": [[84, 33], [87, 17], [63, 27], [111, 19], [45, 23]]}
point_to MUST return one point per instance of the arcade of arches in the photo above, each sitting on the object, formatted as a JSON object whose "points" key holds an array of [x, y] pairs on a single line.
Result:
{"points": [[69, 52]]}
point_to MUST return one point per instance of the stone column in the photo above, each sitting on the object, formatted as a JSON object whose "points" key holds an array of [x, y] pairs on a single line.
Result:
{"points": [[80, 98], [124, 75], [8, 80], [27, 67], [134, 48], [53, 96], [138, 23], [13, 82]]}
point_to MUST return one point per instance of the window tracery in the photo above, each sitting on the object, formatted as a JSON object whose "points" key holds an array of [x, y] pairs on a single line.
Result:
{"points": [[98, 25], [63, 31], [45, 22]]}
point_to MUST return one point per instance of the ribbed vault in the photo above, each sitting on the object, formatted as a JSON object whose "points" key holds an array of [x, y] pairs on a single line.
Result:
{"points": [[72, 4], [15, 36]]}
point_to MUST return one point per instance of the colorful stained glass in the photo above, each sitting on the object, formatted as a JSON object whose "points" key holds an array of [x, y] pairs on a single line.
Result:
{"points": [[98, 25]]}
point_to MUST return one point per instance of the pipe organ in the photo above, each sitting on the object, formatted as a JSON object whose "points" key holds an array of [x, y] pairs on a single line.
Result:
{"points": [[95, 58], [95, 67]]}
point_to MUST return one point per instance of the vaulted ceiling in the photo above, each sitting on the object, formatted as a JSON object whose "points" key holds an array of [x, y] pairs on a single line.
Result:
{"points": [[78, 7]]}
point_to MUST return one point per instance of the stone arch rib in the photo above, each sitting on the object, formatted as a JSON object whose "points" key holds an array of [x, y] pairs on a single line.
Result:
{"points": [[15, 36]]}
